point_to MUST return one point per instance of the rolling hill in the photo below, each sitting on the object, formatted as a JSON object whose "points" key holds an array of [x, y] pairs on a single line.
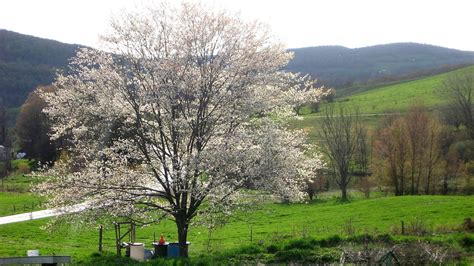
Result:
{"points": [[374, 103], [26, 62], [343, 67], [398, 97]]}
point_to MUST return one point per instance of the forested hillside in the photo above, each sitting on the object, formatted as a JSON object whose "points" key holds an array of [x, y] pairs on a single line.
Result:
{"points": [[26, 62], [342, 67]]}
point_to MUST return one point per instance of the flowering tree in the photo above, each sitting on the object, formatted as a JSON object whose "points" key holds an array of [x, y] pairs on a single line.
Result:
{"points": [[182, 109]]}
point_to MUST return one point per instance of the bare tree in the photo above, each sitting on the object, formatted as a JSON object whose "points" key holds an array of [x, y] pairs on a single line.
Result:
{"points": [[409, 149], [449, 115], [391, 149], [362, 156], [417, 132], [340, 137], [459, 89], [433, 155]]}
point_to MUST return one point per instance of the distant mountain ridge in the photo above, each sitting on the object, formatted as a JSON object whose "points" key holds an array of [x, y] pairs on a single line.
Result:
{"points": [[342, 67], [27, 62]]}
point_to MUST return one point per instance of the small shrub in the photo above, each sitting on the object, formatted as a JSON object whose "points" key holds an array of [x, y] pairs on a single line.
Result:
{"points": [[329, 257], [272, 249], [331, 241], [96, 255], [292, 255], [385, 238], [359, 239], [418, 227], [467, 243], [349, 227], [468, 225], [300, 244], [252, 249], [23, 169]]}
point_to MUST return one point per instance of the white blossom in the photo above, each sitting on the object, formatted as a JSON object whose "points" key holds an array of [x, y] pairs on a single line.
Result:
{"points": [[184, 105]]}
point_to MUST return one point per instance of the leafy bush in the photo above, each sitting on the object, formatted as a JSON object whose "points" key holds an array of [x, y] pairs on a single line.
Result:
{"points": [[272, 249], [22, 166], [467, 242], [363, 238], [385, 238], [307, 256], [331, 241], [292, 255], [252, 249], [301, 244]]}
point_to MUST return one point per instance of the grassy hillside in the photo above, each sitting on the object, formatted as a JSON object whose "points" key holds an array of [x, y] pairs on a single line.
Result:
{"points": [[397, 98], [375, 103]]}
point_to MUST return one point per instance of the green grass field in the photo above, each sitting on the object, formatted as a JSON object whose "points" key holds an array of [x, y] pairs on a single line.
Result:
{"points": [[276, 222], [15, 196], [398, 97]]}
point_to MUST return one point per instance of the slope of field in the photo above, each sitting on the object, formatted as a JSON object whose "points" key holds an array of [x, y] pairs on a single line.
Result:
{"points": [[376, 103], [398, 97], [275, 222]]}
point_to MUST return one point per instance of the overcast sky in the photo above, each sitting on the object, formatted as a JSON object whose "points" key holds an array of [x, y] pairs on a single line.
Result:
{"points": [[299, 23]]}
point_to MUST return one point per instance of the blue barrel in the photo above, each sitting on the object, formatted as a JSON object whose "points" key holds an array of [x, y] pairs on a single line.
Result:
{"points": [[173, 250]]}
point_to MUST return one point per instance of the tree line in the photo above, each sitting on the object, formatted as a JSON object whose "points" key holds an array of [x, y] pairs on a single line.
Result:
{"points": [[418, 152]]}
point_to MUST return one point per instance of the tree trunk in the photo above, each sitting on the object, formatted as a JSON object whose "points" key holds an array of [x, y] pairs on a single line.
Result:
{"points": [[427, 187], [343, 191], [445, 185], [182, 237], [402, 185]]}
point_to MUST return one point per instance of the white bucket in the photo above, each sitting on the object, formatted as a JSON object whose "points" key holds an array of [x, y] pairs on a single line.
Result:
{"points": [[137, 251], [32, 253]]}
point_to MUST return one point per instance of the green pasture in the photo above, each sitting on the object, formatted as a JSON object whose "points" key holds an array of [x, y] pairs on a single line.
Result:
{"points": [[398, 97], [275, 222]]}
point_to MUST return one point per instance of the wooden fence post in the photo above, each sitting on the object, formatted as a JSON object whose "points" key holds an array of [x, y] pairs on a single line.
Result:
{"points": [[100, 238]]}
